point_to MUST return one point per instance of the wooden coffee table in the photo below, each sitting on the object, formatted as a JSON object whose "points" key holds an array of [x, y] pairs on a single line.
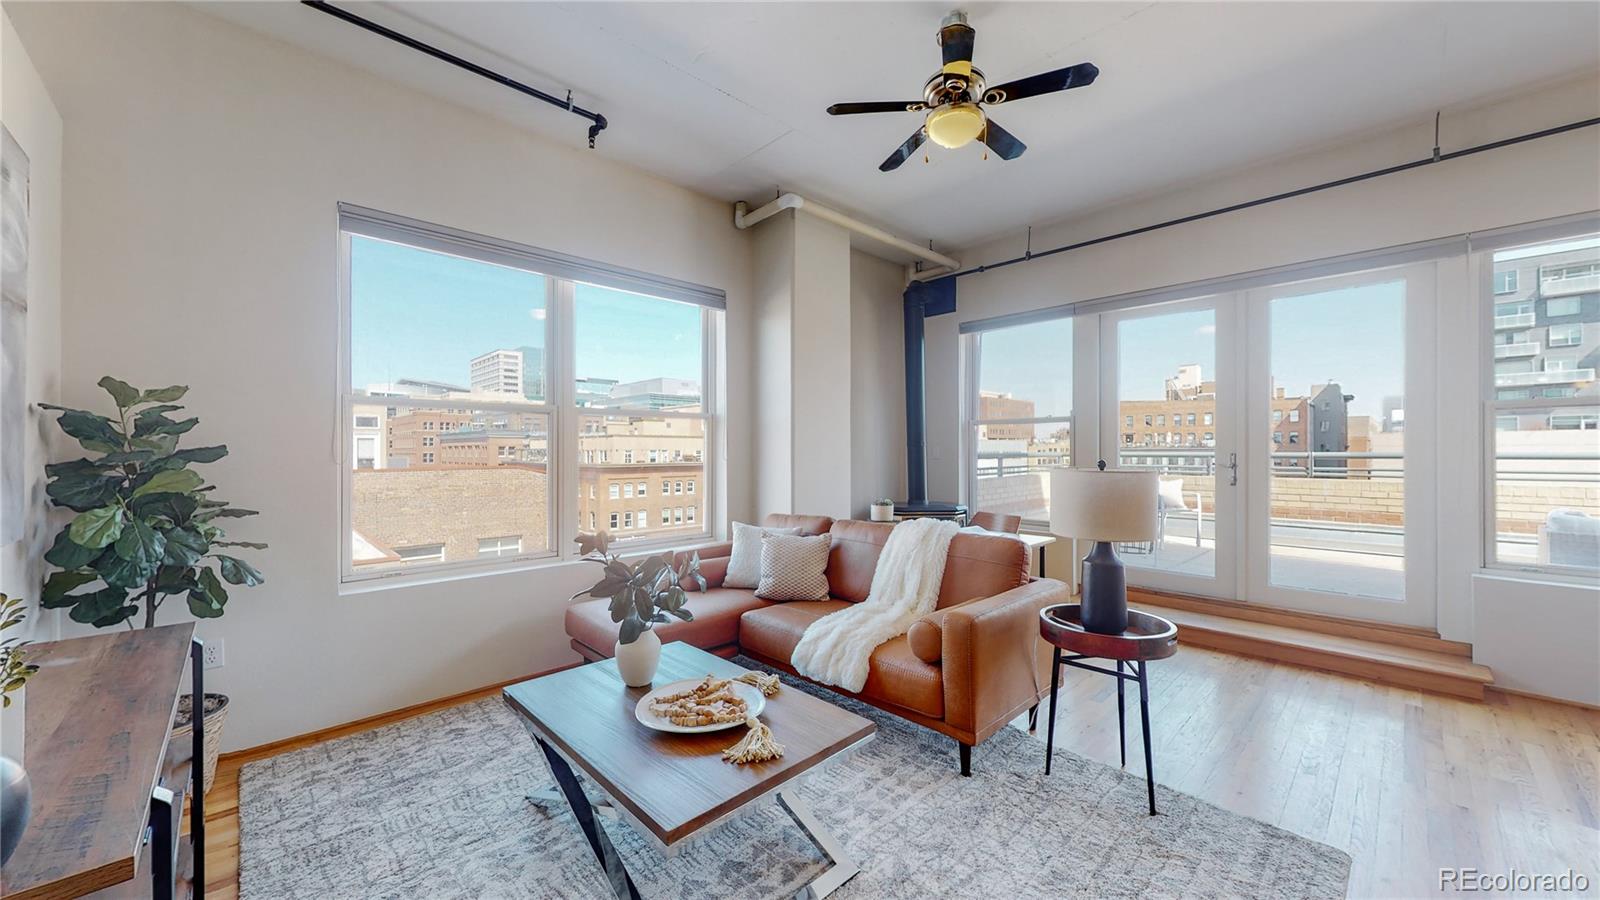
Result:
{"points": [[673, 787]]}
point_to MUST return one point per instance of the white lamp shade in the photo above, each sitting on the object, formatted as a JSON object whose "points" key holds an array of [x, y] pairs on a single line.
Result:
{"points": [[1111, 505]]}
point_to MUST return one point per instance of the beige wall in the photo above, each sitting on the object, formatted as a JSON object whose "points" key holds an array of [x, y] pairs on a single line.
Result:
{"points": [[878, 382], [27, 110], [204, 163]]}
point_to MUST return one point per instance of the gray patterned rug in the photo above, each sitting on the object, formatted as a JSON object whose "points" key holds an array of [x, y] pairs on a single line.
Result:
{"points": [[434, 807]]}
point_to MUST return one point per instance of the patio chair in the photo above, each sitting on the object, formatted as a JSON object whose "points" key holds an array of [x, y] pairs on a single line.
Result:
{"points": [[990, 521], [1171, 499]]}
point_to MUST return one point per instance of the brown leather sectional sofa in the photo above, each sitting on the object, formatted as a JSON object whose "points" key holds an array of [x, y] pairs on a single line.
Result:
{"points": [[965, 670]]}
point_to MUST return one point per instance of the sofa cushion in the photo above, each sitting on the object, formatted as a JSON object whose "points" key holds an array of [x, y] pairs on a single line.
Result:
{"points": [[854, 557], [793, 567], [744, 563], [806, 524], [716, 620], [982, 565], [895, 675]]}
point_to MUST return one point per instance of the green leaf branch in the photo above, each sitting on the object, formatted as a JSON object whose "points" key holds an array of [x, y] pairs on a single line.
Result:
{"points": [[146, 525]]}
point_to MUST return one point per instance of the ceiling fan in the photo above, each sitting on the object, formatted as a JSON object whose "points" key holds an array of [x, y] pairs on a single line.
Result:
{"points": [[956, 95]]}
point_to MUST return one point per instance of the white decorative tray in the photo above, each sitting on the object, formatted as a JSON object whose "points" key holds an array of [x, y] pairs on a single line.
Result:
{"points": [[747, 692]]}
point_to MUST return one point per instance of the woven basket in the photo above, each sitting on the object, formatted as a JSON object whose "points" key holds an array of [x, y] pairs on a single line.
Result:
{"points": [[183, 734]]}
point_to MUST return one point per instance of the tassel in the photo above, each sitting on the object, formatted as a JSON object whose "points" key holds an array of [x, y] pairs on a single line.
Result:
{"points": [[768, 684], [756, 746]]}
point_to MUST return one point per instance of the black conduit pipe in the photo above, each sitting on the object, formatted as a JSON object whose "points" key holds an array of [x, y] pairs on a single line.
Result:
{"points": [[566, 104]]}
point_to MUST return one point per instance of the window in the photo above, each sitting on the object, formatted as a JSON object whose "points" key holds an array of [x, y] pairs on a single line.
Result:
{"points": [[1505, 282], [500, 546], [677, 487], [1565, 335], [1294, 437], [1161, 420], [689, 512], [456, 334], [689, 488], [666, 516], [1277, 416], [1019, 415], [1207, 418], [627, 519], [421, 553], [1277, 437], [1561, 307], [1294, 415], [1127, 421], [1147, 421], [677, 515], [1544, 485]]}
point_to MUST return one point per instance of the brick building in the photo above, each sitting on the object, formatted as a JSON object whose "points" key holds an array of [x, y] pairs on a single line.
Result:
{"points": [[447, 514]]}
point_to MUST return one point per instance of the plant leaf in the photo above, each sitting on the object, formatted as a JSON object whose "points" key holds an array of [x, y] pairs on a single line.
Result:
{"points": [[631, 628], [172, 481], [208, 597], [164, 395], [237, 571], [59, 583], [123, 573], [141, 545], [202, 454], [82, 493], [125, 394], [116, 617], [100, 604], [93, 431], [97, 527], [150, 423], [162, 444], [68, 555]]}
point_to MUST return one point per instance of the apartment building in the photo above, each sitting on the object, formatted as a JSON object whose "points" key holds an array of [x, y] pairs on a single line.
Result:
{"points": [[1546, 336]]}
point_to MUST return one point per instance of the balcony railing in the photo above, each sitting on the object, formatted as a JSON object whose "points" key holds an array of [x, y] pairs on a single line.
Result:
{"points": [[1549, 376], [1514, 351], [1515, 320]]}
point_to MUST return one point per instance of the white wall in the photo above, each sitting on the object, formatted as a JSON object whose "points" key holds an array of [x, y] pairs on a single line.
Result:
{"points": [[772, 372], [26, 110], [203, 163], [878, 382], [1527, 182]]}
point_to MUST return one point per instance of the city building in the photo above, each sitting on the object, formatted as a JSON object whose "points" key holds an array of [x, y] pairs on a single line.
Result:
{"points": [[655, 393], [497, 372], [1546, 335]]}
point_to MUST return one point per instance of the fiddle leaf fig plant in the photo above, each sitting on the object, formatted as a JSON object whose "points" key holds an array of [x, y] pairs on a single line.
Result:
{"points": [[147, 525], [643, 594]]}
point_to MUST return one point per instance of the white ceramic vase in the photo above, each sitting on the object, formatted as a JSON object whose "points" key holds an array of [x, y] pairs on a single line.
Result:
{"points": [[637, 662], [12, 719]]}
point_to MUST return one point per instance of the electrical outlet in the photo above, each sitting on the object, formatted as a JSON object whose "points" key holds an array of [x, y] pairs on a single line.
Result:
{"points": [[213, 654]]}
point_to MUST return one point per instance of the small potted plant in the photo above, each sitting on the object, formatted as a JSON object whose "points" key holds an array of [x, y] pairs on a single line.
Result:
{"points": [[147, 528], [883, 510], [642, 596], [15, 670]]}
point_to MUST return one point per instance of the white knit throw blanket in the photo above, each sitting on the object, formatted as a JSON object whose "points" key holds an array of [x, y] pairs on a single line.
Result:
{"points": [[905, 586]]}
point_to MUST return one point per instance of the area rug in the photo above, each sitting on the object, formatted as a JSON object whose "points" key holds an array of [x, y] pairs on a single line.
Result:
{"points": [[436, 807]]}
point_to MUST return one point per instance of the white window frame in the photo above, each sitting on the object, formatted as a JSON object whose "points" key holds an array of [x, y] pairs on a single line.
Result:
{"points": [[1495, 408], [560, 407]]}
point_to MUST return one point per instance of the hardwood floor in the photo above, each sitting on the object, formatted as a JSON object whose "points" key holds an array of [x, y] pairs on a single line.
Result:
{"points": [[1404, 781]]}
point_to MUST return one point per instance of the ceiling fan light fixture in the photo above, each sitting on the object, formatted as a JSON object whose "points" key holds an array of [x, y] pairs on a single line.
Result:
{"points": [[955, 124]]}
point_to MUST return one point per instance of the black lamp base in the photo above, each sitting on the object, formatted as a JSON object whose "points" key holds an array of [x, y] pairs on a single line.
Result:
{"points": [[1105, 591]]}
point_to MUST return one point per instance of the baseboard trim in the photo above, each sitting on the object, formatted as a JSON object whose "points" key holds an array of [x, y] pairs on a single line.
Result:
{"points": [[323, 735], [1545, 697]]}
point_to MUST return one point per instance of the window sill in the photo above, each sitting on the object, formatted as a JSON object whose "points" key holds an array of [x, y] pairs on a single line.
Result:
{"points": [[1536, 575], [366, 584]]}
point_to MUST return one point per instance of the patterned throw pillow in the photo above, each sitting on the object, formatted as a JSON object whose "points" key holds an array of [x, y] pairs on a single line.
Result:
{"points": [[744, 564], [794, 567]]}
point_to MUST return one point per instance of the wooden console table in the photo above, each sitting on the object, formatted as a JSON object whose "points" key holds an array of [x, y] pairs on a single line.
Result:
{"points": [[108, 785]]}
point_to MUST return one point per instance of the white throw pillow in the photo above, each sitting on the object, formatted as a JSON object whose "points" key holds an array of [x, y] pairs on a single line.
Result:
{"points": [[794, 567], [744, 566]]}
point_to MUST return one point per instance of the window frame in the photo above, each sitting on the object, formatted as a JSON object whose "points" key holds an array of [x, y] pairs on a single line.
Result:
{"points": [[971, 350], [561, 274], [1494, 408]]}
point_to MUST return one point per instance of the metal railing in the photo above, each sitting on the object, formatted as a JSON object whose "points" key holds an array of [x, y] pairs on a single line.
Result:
{"points": [[1291, 463]]}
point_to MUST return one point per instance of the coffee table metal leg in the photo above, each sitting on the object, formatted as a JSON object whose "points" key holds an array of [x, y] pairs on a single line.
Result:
{"points": [[1144, 718], [551, 796], [1122, 717], [842, 867], [1050, 734], [604, 853]]}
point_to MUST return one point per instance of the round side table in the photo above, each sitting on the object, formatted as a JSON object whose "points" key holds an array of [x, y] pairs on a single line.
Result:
{"points": [[1148, 637]]}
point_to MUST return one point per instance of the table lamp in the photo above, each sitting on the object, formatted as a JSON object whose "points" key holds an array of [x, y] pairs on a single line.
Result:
{"points": [[1103, 506]]}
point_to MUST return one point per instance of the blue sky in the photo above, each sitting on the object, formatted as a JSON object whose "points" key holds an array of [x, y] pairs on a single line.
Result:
{"points": [[1354, 336], [419, 314]]}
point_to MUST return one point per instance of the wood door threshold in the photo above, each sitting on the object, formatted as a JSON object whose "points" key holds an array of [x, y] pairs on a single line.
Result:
{"points": [[1382, 632]]}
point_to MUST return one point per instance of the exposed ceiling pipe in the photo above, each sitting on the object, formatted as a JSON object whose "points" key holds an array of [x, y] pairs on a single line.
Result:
{"points": [[744, 218]]}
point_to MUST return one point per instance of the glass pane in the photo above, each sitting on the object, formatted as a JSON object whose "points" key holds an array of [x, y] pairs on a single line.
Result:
{"points": [[1167, 421], [1025, 372], [636, 351], [1013, 463], [641, 477], [1337, 486], [1547, 487], [426, 324], [446, 485], [1547, 328]]}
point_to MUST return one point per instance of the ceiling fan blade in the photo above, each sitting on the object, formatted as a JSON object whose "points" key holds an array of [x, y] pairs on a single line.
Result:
{"points": [[1046, 83], [955, 43], [904, 151], [1002, 141], [877, 106]]}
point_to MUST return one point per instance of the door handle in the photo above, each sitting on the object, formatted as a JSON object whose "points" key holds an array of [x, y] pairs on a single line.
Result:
{"points": [[1233, 469]]}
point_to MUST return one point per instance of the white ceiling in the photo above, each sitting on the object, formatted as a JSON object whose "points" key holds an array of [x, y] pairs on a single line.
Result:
{"points": [[729, 98]]}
